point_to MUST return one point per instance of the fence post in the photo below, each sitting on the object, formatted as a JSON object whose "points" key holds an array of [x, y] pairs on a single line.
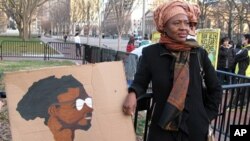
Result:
{"points": [[45, 51], [83, 54], [1, 51]]}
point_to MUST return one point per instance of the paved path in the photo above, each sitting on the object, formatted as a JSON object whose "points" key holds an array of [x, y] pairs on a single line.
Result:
{"points": [[106, 42]]}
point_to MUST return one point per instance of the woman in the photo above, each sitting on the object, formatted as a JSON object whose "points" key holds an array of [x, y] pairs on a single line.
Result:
{"points": [[173, 68], [226, 56], [226, 59], [131, 44]]}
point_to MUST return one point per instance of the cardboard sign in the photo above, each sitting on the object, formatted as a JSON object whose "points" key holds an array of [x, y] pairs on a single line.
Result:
{"points": [[72, 103], [210, 39]]}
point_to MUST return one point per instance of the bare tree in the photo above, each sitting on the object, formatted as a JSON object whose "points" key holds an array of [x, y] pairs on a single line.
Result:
{"points": [[229, 15], [205, 8], [84, 14], [122, 10], [156, 3], [243, 15], [22, 11], [59, 16], [246, 5], [92, 15], [78, 15]]}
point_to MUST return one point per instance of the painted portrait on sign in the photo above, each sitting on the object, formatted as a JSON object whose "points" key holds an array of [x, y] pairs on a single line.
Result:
{"points": [[62, 102]]}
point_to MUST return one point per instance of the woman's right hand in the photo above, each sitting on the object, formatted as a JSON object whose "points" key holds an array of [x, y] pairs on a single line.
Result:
{"points": [[129, 105]]}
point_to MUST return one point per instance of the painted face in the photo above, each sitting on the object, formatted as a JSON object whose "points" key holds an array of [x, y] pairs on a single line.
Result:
{"points": [[73, 111], [72, 107], [177, 28]]}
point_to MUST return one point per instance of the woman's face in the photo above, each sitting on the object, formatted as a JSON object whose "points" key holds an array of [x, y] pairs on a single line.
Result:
{"points": [[226, 43], [244, 41], [177, 27]]}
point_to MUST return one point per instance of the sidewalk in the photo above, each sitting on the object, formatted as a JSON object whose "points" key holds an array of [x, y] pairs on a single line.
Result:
{"points": [[94, 41], [47, 39]]}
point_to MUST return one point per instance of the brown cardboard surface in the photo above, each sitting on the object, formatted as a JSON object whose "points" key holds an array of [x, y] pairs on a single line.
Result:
{"points": [[104, 83]]}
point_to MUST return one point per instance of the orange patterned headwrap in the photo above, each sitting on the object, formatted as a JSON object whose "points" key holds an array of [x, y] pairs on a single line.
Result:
{"points": [[168, 10], [195, 12]]}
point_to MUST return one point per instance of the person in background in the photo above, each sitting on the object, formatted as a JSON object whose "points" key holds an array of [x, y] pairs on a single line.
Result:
{"points": [[242, 68], [193, 21], [65, 36], [78, 45], [179, 111], [131, 44], [145, 41], [146, 37], [226, 58], [240, 55]]}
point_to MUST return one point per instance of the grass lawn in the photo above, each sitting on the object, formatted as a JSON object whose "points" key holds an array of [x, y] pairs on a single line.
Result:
{"points": [[15, 38], [10, 66]]}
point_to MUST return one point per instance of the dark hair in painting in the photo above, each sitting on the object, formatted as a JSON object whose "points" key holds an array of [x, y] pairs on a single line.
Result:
{"points": [[43, 93]]}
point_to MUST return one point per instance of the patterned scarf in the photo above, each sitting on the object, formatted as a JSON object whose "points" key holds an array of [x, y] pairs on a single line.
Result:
{"points": [[181, 50], [181, 80]]}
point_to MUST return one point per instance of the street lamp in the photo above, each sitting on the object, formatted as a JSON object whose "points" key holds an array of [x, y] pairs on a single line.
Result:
{"points": [[100, 21], [143, 18]]}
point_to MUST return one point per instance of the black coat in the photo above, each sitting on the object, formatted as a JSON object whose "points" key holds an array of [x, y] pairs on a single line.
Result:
{"points": [[226, 58], [242, 59], [157, 65]]}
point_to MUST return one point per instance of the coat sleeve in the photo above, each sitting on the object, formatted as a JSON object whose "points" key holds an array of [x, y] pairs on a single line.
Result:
{"points": [[142, 76], [213, 96], [241, 55]]}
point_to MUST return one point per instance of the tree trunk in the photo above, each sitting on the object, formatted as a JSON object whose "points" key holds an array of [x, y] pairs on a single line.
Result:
{"points": [[119, 41], [230, 26], [26, 22], [88, 21], [88, 34], [20, 30], [241, 26], [29, 32], [25, 31]]}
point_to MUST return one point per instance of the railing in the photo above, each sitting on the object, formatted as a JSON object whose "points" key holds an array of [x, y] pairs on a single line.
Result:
{"points": [[59, 50], [22, 49], [234, 108]]}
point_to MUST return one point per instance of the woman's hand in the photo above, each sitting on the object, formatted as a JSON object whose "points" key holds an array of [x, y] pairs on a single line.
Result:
{"points": [[129, 104]]}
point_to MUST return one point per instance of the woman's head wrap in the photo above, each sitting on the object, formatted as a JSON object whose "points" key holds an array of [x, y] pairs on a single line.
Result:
{"points": [[195, 12], [168, 10]]}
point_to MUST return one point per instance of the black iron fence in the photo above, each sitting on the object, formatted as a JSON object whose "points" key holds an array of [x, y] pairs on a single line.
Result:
{"points": [[234, 108], [59, 50]]}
